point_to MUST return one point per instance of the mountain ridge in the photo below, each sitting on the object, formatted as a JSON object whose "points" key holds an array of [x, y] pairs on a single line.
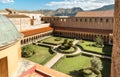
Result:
{"points": [[67, 11]]}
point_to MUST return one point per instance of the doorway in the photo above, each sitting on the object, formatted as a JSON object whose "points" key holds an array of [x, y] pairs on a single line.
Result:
{"points": [[3, 67]]}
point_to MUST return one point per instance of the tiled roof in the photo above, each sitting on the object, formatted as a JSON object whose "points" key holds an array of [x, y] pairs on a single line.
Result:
{"points": [[108, 13], [16, 16], [36, 31], [101, 31]]}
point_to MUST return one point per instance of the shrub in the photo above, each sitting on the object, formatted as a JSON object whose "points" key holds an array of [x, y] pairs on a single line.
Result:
{"points": [[99, 42], [39, 41], [65, 42], [81, 41], [66, 45], [51, 50], [58, 39], [27, 51], [100, 75], [96, 63]]}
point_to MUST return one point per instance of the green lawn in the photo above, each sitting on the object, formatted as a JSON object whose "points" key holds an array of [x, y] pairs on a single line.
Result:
{"points": [[52, 40], [72, 65], [41, 56], [88, 46]]}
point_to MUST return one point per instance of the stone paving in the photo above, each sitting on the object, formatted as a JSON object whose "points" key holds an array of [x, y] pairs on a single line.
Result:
{"points": [[53, 60]]}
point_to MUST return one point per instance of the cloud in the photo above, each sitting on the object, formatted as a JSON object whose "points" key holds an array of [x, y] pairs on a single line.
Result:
{"points": [[7, 1], [85, 4]]}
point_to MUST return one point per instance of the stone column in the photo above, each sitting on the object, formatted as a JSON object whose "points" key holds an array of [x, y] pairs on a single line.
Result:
{"points": [[115, 67]]}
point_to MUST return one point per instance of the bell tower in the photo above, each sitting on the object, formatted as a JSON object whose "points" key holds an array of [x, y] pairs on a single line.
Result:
{"points": [[115, 67]]}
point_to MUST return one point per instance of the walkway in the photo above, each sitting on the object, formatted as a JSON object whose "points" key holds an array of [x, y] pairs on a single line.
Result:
{"points": [[54, 60], [101, 56], [75, 42]]}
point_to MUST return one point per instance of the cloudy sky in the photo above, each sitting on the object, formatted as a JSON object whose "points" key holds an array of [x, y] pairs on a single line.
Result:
{"points": [[53, 4]]}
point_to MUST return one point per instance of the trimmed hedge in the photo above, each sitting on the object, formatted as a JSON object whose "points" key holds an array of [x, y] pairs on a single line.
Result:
{"points": [[73, 55], [67, 51], [44, 45], [51, 49], [49, 43]]}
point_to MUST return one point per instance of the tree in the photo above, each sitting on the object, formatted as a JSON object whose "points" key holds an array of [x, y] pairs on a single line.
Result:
{"points": [[96, 63], [99, 42]]}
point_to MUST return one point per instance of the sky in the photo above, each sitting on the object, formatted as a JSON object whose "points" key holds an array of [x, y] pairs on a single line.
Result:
{"points": [[53, 4]]}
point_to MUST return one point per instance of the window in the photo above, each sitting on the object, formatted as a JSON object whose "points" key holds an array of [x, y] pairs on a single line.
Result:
{"points": [[107, 20], [76, 19], [95, 20], [85, 20], [90, 20], [101, 20], [80, 20]]}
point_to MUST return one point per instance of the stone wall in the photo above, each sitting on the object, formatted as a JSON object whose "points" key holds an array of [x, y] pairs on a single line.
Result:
{"points": [[115, 71], [82, 27], [20, 22], [105, 23]]}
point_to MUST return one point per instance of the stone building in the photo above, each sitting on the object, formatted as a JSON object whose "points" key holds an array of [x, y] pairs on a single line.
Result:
{"points": [[19, 21], [11, 63], [9, 43], [86, 25]]}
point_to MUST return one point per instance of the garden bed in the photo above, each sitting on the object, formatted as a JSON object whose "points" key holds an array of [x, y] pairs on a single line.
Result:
{"points": [[69, 51], [89, 47], [42, 54], [52, 40], [73, 65]]}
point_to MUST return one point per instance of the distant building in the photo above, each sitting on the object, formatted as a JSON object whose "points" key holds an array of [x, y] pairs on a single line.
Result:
{"points": [[10, 51], [19, 21], [86, 25]]}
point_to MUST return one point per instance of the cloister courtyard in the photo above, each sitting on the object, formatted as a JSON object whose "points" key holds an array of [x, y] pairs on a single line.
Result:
{"points": [[50, 53]]}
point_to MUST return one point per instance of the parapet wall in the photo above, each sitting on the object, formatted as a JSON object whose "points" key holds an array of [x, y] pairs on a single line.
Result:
{"points": [[105, 23]]}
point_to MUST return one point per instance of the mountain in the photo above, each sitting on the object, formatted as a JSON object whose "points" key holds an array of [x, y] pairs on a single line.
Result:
{"points": [[106, 7], [60, 12], [67, 12]]}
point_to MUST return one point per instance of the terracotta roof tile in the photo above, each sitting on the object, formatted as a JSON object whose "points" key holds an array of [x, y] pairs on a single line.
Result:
{"points": [[108, 13], [36, 31]]}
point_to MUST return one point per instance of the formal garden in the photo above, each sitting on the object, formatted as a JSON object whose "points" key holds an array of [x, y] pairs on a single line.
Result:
{"points": [[90, 46], [76, 65], [79, 66]]}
